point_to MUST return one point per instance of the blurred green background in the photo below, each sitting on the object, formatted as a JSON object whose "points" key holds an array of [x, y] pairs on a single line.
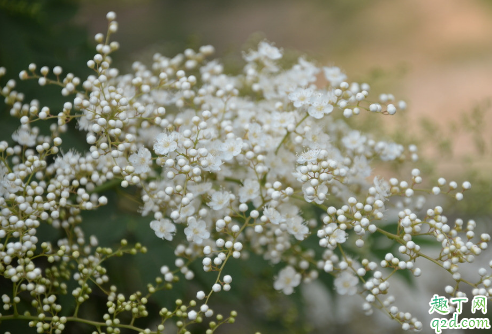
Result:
{"points": [[435, 54]]}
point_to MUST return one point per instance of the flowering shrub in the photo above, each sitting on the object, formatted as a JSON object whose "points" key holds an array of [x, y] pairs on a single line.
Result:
{"points": [[226, 166]]}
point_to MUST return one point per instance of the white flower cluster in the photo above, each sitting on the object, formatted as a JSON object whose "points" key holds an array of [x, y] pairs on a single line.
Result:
{"points": [[226, 164]]}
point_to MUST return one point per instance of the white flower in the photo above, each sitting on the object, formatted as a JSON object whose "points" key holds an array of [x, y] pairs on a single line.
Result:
{"points": [[213, 163], [141, 161], [381, 188], [6, 186], [288, 210], [337, 236], [353, 140], [186, 122], [165, 143], [83, 123], [360, 167], [316, 139], [300, 97], [213, 147], [196, 231], [212, 67], [266, 53], [68, 162], [222, 81], [390, 151], [308, 69], [149, 134], [334, 75], [308, 156], [296, 227], [251, 55], [346, 283], [231, 148], [255, 134], [283, 119], [319, 194], [163, 228], [249, 191], [24, 137], [279, 164], [200, 188], [273, 216], [186, 211], [320, 106], [287, 280], [162, 97], [267, 50], [219, 200]]}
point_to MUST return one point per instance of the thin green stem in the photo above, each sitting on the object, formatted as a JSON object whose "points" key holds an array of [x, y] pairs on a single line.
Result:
{"points": [[288, 133]]}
